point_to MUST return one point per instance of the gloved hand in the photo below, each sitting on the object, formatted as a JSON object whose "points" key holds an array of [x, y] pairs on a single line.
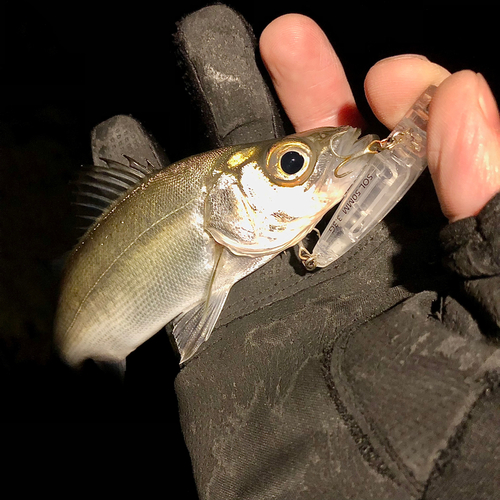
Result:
{"points": [[376, 377]]}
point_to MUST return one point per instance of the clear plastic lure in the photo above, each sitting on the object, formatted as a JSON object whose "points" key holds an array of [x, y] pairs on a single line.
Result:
{"points": [[395, 164]]}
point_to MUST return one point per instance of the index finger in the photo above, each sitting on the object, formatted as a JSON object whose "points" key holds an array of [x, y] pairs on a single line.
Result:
{"points": [[307, 74]]}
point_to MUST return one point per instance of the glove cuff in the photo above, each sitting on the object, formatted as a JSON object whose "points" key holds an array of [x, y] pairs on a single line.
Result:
{"points": [[472, 251]]}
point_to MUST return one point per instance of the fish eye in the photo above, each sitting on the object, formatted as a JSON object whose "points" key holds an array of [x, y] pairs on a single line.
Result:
{"points": [[290, 163]]}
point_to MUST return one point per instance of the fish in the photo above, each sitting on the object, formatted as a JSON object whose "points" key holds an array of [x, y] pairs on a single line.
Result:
{"points": [[175, 240]]}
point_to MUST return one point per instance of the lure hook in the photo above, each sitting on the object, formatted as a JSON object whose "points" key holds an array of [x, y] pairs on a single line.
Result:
{"points": [[307, 258], [375, 147]]}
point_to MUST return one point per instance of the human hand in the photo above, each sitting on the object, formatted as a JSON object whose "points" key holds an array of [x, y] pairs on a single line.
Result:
{"points": [[464, 123]]}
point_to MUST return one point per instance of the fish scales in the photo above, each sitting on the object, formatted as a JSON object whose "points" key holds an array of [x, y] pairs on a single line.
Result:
{"points": [[149, 245]]}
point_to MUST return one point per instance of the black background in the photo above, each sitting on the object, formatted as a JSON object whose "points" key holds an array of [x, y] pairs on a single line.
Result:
{"points": [[62, 71]]}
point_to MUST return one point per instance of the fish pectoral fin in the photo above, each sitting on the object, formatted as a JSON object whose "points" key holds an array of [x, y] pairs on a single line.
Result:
{"points": [[193, 327]]}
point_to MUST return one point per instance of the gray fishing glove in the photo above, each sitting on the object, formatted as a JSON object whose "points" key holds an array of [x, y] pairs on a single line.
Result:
{"points": [[376, 377]]}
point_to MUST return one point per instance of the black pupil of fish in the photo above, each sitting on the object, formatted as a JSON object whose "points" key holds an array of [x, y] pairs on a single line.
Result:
{"points": [[291, 162]]}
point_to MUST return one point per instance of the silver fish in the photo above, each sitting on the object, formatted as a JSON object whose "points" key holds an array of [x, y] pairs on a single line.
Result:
{"points": [[172, 246]]}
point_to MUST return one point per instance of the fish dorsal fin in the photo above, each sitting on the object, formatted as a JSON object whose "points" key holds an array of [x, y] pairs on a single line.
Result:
{"points": [[98, 186], [122, 135], [124, 154]]}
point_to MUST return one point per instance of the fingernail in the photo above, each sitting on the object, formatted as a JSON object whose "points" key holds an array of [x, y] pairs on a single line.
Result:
{"points": [[405, 56], [487, 103]]}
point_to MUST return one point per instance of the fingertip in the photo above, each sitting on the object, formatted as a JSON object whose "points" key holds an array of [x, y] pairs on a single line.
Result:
{"points": [[488, 104], [464, 144], [307, 74], [288, 40], [296, 30], [392, 85]]}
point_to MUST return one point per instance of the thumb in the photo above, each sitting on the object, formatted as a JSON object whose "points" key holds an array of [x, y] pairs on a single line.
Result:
{"points": [[464, 144]]}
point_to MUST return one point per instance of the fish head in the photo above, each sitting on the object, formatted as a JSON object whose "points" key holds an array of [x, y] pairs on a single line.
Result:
{"points": [[267, 197]]}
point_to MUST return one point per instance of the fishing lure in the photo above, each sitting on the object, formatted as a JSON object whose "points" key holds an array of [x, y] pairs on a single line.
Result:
{"points": [[395, 165]]}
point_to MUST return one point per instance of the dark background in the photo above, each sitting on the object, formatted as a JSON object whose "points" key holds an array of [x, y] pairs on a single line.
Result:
{"points": [[64, 71]]}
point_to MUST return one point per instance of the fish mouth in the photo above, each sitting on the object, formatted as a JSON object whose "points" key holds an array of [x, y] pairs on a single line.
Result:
{"points": [[345, 146], [343, 160]]}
